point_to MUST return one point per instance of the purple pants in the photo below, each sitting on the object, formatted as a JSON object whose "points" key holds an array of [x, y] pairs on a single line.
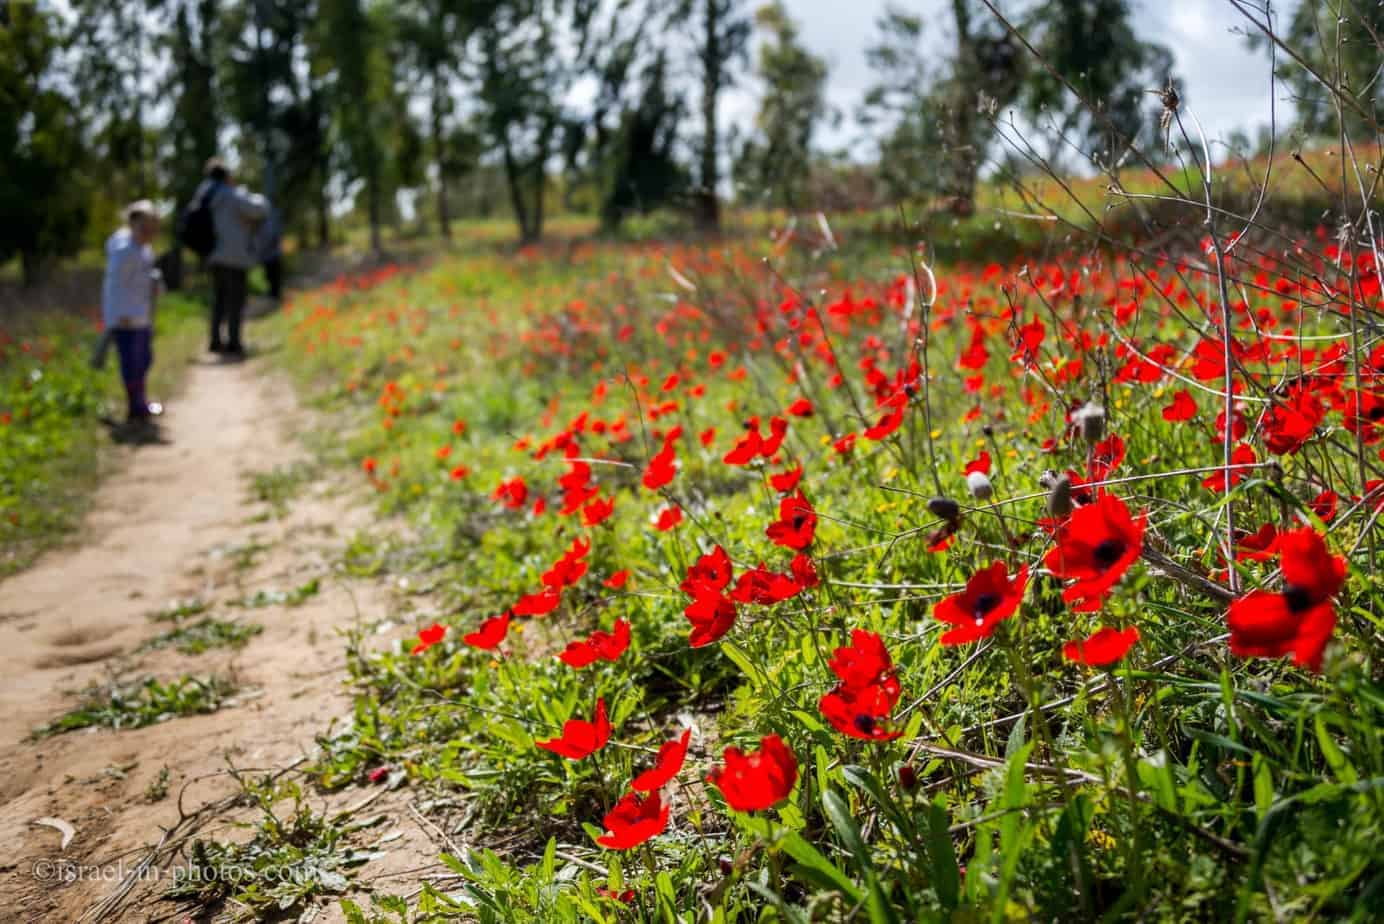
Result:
{"points": [[136, 349]]}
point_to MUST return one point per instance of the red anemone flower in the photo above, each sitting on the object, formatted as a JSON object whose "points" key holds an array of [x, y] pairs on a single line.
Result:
{"points": [[491, 633], [617, 580], [1105, 646], [1182, 408], [711, 614], [1299, 621], [666, 765], [539, 604], [786, 482], [580, 739], [661, 468], [991, 596], [668, 518], [599, 646], [596, 512], [1095, 547], [633, 821], [761, 780], [796, 525], [429, 637], [867, 691]]}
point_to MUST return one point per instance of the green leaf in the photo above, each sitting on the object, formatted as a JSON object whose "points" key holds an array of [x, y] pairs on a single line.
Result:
{"points": [[946, 873], [808, 856]]}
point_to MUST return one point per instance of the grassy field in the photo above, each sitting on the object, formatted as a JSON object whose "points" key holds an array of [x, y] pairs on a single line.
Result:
{"points": [[818, 579], [52, 444]]}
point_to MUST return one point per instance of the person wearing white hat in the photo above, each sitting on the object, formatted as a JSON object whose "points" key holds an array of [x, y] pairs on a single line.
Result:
{"points": [[131, 284]]}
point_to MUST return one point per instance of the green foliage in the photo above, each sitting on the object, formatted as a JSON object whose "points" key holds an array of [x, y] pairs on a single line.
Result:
{"points": [[43, 192], [288, 862], [142, 703], [776, 162], [205, 634], [51, 405]]}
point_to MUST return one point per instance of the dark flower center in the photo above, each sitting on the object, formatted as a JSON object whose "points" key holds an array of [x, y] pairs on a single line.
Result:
{"points": [[1108, 552], [798, 520], [1299, 599], [865, 724], [984, 603]]}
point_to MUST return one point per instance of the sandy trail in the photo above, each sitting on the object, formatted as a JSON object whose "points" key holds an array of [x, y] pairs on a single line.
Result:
{"points": [[174, 521]]}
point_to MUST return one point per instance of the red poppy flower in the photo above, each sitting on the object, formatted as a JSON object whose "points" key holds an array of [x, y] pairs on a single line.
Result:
{"points": [[980, 463], [786, 482], [624, 897], [668, 518], [1105, 646], [666, 765], [761, 780], [429, 637], [711, 614], [1217, 481], [1288, 426], [599, 646], [580, 738], [889, 421], [765, 587], [796, 525], [1311, 572], [778, 429], [1269, 625], [857, 712], [804, 571], [1324, 506], [661, 467], [368, 464], [1260, 545], [539, 604], [800, 408], [491, 633], [844, 445], [598, 511], [570, 568], [991, 596], [1183, 407], [513, 493], [1106, 456], [617, 580], [748, 447], [460, 472], [712, 570], [1095, 547], [633, 821]]}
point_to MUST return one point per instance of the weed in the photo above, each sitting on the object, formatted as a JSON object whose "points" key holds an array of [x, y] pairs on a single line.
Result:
{"points": [[205, 634], [295, 597], [143, 703]]}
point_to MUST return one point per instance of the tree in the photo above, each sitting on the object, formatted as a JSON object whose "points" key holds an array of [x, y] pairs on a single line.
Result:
{"points": [[625, 146], [194, 118], [1343, 42], [526, 57], [43, 191], [778, 160], [1093, 45], [723, 36]]}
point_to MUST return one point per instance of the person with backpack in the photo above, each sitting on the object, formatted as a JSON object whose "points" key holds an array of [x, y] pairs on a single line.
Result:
{"points": [[220, 226], [127, 303]]}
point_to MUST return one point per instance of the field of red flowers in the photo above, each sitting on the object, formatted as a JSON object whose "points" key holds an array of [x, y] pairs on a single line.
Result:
{"points": [[808, 580]]}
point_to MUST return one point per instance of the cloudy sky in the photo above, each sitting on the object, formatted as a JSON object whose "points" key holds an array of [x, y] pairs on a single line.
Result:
{"points": [[1226, 84]]}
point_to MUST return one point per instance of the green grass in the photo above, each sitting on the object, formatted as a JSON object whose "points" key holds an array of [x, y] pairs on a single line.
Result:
{"points": [[142, 703], [1198, 785], [203, 635], [52, 442]]}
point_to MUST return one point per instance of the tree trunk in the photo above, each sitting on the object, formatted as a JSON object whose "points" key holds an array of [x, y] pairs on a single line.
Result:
{"points": [[444, 224], [708, 208], [30, 266], [514, 179], [373, 201]]}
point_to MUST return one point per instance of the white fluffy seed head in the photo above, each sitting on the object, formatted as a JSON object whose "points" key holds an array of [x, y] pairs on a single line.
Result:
{"points": [[978, 483]]}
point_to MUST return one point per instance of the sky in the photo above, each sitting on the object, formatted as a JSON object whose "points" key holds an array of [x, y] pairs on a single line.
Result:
{"points": [[1227, 84]]}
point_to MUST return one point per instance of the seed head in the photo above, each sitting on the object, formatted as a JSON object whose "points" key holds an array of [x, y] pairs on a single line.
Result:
{"points": [[978, 483]]}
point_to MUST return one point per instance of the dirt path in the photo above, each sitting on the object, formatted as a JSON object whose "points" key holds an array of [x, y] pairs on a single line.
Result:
{"points": [[176, 521]]}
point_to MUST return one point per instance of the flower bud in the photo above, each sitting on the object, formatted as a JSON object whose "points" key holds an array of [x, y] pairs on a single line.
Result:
{"points": [[978, 483], [908, 777], [1060, 497], [945, 508], [1091, 418]]}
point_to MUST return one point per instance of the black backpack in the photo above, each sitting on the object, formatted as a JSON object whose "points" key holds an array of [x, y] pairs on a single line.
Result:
{"points": [[198, 232]]}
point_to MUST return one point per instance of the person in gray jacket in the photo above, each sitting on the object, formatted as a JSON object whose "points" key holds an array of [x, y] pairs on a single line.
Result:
{"points": [[236, 215]]}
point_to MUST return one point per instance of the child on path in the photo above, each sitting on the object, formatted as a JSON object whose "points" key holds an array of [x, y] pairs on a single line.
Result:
{"points": [[127, 302]]}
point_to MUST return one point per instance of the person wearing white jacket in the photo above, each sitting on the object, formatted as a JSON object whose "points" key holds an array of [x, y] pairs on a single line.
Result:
{"points": [[127, 301], [236, 215]]}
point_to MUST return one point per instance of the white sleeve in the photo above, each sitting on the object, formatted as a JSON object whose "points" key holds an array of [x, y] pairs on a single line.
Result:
{"points": [[133, 284], [252, 206]]}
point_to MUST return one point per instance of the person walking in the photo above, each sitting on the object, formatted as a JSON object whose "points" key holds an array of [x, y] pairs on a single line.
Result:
{"points": [[236, 215], [131, 285]]}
